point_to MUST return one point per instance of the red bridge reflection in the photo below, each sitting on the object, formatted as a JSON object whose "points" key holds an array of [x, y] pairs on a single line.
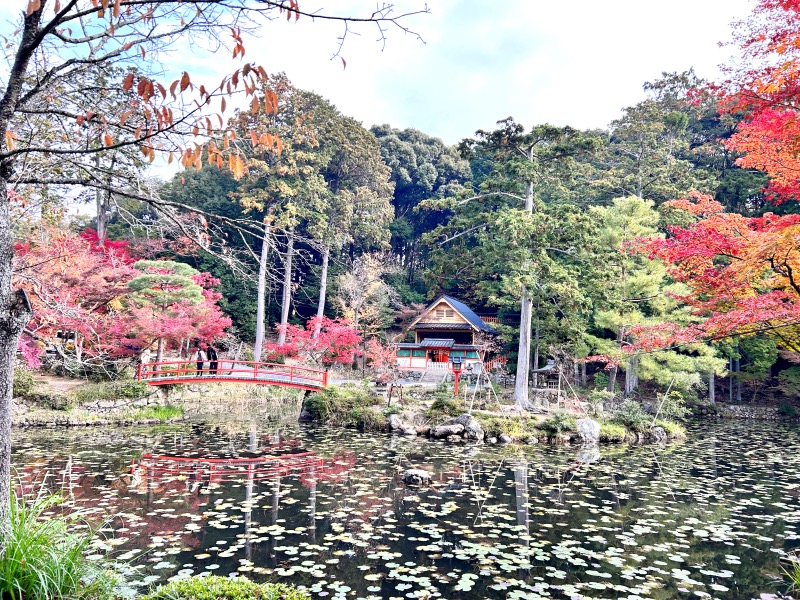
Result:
{"points": [[274, 461]]}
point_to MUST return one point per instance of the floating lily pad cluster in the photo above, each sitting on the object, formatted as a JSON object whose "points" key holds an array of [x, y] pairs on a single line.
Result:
{"points": [[710, 517]]}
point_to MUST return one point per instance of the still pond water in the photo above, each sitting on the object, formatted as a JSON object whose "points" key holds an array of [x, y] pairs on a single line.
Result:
{"points": [[709, 517]]}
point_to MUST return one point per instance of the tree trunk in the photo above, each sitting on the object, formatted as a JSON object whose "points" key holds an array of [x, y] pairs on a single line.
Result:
{"points": [[631, 377], [525, 322], [612, 375], [323, 290], [584, 381], [261, 301], [160, 350], [738, 381], [712, 395], [524, 356], [15, 312], [286, 298]]}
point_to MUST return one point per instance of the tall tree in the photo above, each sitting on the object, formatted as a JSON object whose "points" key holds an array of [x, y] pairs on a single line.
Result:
{"points": [[514, 215]]}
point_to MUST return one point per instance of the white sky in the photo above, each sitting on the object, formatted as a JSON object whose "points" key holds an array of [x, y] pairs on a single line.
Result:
{"points": [[574, 62]]}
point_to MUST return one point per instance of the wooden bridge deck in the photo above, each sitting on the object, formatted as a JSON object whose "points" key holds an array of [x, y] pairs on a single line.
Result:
{"points": [[233, 371]]}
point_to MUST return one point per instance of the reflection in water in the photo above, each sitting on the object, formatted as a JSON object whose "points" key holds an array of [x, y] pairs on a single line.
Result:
{"points": [[326, 509]]}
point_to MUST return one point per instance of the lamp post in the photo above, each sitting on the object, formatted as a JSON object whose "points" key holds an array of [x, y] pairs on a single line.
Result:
{"points": [[456, 364]]}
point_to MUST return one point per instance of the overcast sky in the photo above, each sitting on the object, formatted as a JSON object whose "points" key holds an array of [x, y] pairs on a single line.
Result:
{"points": [[573, 62], [576, 62]]}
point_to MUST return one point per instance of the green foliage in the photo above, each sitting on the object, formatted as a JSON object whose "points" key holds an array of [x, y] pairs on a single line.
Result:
{"points": [[793, 573], [789, 382], [597, 399], [24, 383], [633, 416], [612, 432], [674, 430], [601, 380], [112, 390], [788, 411], [224, 588], [163, 413], [672, 405], [445, 404], [347, 406], [41, 559], [558, 422], [515, 427]]}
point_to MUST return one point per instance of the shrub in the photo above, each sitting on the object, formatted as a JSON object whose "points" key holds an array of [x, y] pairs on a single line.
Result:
{"points": [[163, 413], [514, 427], [351, 406], [40, 558], [673, 429], [789, 381], [793, 573], [633, 416], [601, 380], [24, 383], [672, 405], [224, 588], [788, 411], [112, 390], [557, 423], [597, 400], [612, 432]]}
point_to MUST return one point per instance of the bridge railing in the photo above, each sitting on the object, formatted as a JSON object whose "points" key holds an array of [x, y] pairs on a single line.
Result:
{"points": [[232, 369]]}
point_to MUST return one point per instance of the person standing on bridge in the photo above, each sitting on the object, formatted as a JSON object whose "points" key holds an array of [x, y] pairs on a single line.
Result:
{"points": [[199, 357], [213, 357]]}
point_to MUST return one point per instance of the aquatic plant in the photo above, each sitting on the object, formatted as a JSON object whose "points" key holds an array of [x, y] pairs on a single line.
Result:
{"points": [[224, 588], [161, 413], [42, 558]]}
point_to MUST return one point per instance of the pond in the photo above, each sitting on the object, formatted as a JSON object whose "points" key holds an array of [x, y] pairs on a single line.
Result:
{"points": [[708, 517]]}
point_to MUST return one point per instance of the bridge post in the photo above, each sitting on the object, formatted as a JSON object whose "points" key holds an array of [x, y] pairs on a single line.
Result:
{"points": [[325, 378], [291, 374], [139, 372], [255, 371]]}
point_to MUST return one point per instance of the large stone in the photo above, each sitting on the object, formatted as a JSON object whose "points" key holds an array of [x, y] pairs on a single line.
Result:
{"points": [[395, 422], [505, 439], [409, 430], [472, 429], [658, 434], [305, 416], [443, 431], [455, 439], [416, 477], [589, 430]]}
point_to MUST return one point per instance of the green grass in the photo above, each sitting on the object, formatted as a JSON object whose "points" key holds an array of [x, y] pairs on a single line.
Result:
{"points": [[516, 428], [612, 432], [224, 588], [42, 559], [673, 428], [793, 573], [163, 413], [557, 423], [112, 390]]}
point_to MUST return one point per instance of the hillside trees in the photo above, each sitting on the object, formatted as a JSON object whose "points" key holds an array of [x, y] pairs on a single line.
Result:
{"points": [[422, 168]]}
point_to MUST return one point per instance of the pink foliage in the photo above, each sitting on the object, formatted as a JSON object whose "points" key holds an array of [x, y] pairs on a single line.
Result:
{"points": [[30, 351]]}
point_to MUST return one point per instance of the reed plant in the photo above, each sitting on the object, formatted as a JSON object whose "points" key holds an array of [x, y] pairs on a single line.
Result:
{"points": [[40, 558]]}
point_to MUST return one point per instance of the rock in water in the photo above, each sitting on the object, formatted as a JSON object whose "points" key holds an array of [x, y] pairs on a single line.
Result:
{"points": [[471, 429], [305, 416], [416, 477], [443, 431], [455, 439], [589, 430], [658, 434]]}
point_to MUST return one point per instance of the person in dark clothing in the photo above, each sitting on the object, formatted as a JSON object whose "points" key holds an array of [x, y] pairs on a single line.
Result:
{"points": [[212, 358]]}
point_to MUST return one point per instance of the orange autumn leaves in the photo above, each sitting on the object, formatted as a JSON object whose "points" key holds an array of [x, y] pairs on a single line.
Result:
{"points": [[742, 273]]}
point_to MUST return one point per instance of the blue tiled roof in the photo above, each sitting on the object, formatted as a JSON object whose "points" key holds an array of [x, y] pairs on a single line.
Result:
{"points": [[467, 313]]}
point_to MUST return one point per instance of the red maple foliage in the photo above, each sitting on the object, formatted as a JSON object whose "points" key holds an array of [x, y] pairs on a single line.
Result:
{"points": [[743, 275], [337, 343]]}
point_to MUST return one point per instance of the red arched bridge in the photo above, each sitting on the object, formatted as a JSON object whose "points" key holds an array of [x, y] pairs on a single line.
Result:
{"points": [[233, 371]]}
